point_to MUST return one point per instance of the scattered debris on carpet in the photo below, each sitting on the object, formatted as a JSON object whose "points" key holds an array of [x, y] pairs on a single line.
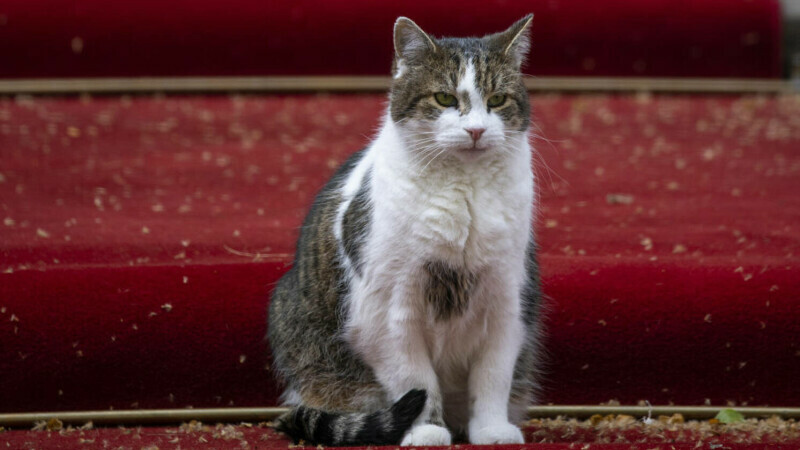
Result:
{"points": [[49, 425], [728, 427]]}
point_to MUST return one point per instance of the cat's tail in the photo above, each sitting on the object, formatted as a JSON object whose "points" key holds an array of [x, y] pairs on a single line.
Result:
{"points": [[383, 427]]}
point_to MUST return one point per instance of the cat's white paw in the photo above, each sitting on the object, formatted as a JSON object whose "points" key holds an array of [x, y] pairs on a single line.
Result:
{"points": [[500, 433], [426, 435]]}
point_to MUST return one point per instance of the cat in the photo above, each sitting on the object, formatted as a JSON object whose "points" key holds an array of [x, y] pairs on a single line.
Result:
{"points": [[411, 315]]}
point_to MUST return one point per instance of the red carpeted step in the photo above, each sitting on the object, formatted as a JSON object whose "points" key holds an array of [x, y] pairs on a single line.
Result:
{"points": [[141, 236], [666, 38], [620, 432]]}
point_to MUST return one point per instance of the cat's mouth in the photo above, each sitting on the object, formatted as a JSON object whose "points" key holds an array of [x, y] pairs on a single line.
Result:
{"points": [[474, 148]]}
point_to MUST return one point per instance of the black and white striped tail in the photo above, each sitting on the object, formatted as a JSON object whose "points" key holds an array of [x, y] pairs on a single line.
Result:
{"points": [[384, 427]]}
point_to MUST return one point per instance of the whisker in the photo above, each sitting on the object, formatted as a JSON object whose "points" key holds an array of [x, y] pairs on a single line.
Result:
{"points": [[442, 151]]}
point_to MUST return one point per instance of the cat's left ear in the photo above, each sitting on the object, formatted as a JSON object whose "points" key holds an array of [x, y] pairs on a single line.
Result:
{"points": [[516, 40], [410, 40]]}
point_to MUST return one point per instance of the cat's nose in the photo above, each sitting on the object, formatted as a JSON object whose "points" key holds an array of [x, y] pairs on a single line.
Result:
{"points": [[475, 132]]}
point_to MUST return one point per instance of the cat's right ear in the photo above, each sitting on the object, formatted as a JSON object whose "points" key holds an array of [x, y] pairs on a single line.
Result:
{"points": [[410, 40]]}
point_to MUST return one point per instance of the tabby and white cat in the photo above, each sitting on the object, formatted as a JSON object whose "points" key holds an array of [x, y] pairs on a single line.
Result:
{"points": [[411, 313]]}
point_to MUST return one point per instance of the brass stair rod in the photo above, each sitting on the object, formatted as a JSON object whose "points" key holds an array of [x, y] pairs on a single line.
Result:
{"points": [[237, 415]]}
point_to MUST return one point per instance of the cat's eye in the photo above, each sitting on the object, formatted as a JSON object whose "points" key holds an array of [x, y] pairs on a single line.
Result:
{"points": [[445, 99], [496, 100]]}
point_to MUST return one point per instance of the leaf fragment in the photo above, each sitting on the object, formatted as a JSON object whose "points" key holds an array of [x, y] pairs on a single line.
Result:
{"points": [[729, 416]]}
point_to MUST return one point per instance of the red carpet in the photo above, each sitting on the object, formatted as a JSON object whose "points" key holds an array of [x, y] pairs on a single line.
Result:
{"points": [[666, 38], [141, 236], [622, 432]]}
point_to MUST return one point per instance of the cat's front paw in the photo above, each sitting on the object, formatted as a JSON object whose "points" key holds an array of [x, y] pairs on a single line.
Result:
{"points": [[501, 433], [426, 435]]}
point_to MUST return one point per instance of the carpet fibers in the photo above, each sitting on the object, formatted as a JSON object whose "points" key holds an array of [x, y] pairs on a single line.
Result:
{"points": [[609, 432]]}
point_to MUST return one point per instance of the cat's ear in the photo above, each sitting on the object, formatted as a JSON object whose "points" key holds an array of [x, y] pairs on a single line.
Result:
{"points": [[410, 40], [516, 40]]}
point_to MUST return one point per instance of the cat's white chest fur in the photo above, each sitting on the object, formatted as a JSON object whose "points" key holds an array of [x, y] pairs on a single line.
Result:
{"points": [[472, 215], [465, 213]]}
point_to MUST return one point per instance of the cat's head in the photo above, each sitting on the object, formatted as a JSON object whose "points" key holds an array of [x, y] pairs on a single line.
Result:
{"points": [[464, 96]]}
